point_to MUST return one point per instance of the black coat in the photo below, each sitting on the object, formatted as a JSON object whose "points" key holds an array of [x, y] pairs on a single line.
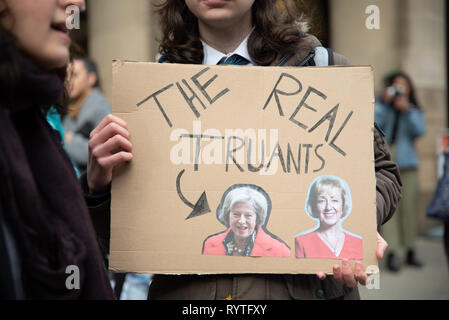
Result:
{"points": [[45, 226]]}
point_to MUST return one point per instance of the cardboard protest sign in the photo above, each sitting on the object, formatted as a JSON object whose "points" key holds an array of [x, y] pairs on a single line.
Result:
{"points": [[242, 169]]}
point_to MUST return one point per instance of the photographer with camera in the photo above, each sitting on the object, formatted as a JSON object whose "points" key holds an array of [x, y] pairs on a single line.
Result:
{"points": [[400, 117]]}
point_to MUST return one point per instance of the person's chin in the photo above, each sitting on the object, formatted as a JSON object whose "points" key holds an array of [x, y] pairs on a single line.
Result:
{"points": [[219, 18], [241, 233], [329, 221], [57, 57]]}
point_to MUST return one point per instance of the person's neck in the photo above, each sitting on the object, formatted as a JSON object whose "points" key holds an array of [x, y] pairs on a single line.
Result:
{"points": [[226, 39], [241, 243], [330, 231], [75, 106]]}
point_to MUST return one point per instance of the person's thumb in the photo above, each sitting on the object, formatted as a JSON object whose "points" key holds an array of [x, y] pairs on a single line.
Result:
{"points": [[382, 245]]}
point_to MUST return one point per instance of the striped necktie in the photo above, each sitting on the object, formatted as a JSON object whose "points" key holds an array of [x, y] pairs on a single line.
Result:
{"points": [[235, 59]]}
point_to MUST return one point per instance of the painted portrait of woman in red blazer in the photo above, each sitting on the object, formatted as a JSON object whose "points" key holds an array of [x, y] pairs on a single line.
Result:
{"points": [[328, 202]]}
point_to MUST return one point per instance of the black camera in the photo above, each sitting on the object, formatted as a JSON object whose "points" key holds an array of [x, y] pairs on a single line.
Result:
{"points": [[395, 91]]}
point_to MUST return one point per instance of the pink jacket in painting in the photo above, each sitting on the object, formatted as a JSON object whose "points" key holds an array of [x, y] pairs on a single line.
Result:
{"points": [[264, 245], [310, 245]]}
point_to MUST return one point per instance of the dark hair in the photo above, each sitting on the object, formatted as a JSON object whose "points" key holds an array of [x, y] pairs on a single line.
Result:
{"points": [[389, 79], [277, 31], [10, 66], [91, 67]]}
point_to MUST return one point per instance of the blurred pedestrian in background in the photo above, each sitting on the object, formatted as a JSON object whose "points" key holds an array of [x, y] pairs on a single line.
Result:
{"points": [[399, 115], [438, 208], [446, 240], [44, 223], [87, 108]]}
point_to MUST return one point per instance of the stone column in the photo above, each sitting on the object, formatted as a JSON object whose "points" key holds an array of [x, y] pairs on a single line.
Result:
{"points": [[119, 30], [362, 46], [411, 38], [423, 57]]}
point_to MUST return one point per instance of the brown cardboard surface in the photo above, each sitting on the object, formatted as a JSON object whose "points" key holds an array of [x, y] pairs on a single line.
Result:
{"points": [[149, 229]]}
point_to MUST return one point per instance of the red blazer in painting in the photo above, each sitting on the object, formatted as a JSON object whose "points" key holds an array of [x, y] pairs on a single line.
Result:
{"points": [[310, 245], [264, 245]]}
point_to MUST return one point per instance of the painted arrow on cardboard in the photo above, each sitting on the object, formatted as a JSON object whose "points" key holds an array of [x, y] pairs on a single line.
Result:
{"points": [[200, 207]]}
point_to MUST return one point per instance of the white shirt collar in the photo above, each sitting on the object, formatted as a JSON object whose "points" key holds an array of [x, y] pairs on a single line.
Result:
{"points": [[213, 56]]}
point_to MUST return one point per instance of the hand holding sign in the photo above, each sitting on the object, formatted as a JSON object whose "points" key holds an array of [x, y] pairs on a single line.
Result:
{"points": [[109, 146], [346, 276]]}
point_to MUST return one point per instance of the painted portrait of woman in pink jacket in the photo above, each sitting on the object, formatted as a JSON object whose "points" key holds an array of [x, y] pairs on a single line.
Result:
{"points": [[244, 210]]}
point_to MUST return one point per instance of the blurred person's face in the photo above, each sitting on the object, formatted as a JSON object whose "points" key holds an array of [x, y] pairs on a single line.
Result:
{"points": [[40, 29], [329, 206], [80, 80], [220, 13], [242, 220]]}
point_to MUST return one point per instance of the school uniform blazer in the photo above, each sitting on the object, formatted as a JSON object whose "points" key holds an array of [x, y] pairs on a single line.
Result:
{"points": [[264, 245], [273, 286]]}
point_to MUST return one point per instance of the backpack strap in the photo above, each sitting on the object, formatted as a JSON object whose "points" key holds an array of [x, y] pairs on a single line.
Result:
{"points": [[309, 60], [330, 54], [324, 56], [286, 58]]}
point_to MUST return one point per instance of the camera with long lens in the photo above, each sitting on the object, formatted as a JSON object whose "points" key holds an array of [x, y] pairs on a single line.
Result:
{"points": [[395, 91]]}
